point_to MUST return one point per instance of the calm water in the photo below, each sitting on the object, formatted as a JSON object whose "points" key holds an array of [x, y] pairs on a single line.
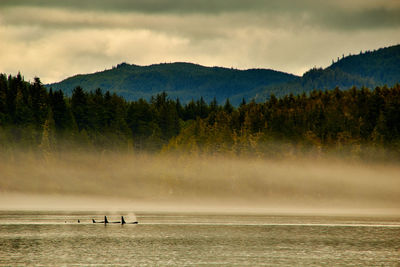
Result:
{"points": [[56, 239]]}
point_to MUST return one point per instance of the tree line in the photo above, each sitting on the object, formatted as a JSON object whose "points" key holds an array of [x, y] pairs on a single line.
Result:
{"points": [[355, 120]]}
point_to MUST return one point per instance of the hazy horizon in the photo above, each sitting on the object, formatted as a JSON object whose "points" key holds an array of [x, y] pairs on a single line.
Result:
{"points": [[145, 182]]}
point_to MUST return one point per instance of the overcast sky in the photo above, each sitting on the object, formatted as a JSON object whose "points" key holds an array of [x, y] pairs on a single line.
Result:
{"points": [[54, 39]]}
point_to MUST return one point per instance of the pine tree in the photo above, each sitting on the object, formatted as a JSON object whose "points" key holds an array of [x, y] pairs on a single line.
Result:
{"points": [[79, 107], [39, 102], [228, 108], [3, 98], [48, 142]]}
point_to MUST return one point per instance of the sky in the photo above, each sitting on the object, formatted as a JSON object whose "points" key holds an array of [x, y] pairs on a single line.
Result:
{"points": [[55, 39]]}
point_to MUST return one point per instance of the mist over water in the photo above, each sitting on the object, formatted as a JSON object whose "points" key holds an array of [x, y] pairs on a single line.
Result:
{"points": [[112, 181]]}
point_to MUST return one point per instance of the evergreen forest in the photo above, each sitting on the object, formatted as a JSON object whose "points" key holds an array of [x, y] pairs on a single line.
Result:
{"points": [[360, 122]]}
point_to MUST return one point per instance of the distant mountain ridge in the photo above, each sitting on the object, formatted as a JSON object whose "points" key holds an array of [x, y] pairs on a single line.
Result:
{"points": [[369, 69], [381, 66], [188, 81], [183, 80]]}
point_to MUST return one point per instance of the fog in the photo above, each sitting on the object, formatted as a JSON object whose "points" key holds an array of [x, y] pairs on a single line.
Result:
{"points": [[144, 182]]}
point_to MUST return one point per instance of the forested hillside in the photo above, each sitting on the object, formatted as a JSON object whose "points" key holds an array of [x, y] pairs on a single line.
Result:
{"points": [[184, 80], [380, 66], [368, 69], [356, 121], [189, 81]]}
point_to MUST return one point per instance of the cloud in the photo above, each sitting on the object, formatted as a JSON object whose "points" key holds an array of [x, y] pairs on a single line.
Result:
{"points": [[342, 14], [56, 39]]}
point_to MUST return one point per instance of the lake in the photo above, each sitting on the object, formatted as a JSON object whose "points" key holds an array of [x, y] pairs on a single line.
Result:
{"points": [[173, 239]]}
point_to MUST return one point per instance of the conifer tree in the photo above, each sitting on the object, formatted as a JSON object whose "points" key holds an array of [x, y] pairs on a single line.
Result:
{"points": [[79, 108]]}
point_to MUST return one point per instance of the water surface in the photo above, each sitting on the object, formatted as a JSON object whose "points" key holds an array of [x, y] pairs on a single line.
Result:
{"points": [[55, 238]]}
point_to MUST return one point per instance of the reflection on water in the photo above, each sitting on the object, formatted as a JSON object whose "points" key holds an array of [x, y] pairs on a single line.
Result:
{"points": [[55, 239]]}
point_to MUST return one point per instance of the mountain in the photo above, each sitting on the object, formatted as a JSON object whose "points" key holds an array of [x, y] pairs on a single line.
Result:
{"points": [[369, 69], [184, 80], [190, 81], [381, 66]]}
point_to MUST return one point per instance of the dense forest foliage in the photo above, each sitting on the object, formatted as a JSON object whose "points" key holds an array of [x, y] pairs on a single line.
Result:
{"points": [[359, 121], [186, 81]]}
